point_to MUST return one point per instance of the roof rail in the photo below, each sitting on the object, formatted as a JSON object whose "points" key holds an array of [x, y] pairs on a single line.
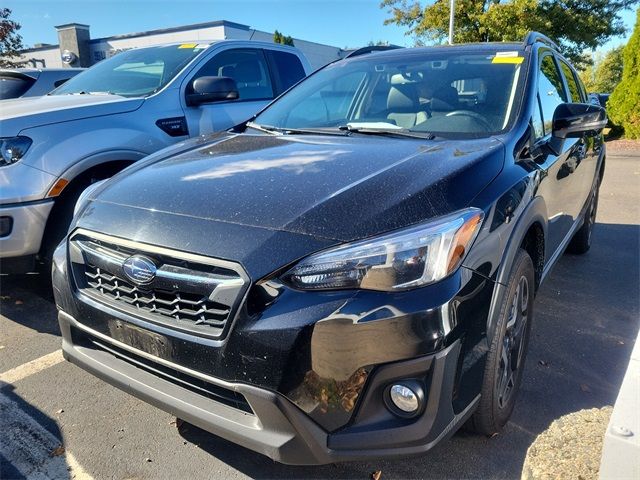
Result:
{"points": [[371, 48], [533, 37]]}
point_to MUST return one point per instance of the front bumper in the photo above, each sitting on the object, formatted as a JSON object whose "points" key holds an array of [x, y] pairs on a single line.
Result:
{"points": [[28, 224], [299, 377], [275, 426]]}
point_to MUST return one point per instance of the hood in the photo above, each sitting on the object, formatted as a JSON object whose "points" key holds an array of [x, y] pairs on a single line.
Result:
{"points": [[339, 188], [29, 112]]}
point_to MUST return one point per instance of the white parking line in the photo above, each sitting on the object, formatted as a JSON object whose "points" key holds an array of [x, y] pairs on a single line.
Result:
{"points": [[29, 447], [32, 367], [26, 444]]}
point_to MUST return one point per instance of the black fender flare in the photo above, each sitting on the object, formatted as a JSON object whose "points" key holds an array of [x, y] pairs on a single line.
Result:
{"points": [[535, 212]]}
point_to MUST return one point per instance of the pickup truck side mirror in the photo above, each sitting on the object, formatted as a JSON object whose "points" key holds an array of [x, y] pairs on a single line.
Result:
{"points": [[571, 120], [211, 89]]}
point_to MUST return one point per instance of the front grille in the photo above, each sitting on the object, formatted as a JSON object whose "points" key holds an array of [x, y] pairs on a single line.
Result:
{"points": [[181, 306], [173, 375], [190, 293]]}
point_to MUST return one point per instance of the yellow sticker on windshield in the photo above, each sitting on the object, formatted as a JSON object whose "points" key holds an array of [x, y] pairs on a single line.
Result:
{"points": [[188, 45], [516, 60]]}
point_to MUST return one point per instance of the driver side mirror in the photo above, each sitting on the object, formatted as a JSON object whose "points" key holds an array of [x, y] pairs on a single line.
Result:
{"points": [[211, 89], [571, 120]]}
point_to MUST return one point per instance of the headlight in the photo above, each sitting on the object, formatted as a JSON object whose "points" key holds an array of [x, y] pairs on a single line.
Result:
{"points": [[13, 149], [400, 260]]}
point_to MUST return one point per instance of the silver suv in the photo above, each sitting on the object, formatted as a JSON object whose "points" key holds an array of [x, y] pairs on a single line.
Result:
{"points": [[115, 113], [32, 82]]}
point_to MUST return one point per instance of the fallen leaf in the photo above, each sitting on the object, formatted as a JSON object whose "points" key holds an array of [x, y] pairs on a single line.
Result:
{"points": [[376, 475], [494, 434], [543, 363], [60, 411], [59, 450], [585, 388], [19, 302], [620, 342], [148, 460], [4, 297]]}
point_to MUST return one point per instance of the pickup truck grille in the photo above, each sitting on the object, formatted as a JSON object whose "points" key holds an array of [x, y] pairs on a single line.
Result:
{"points": [[190, 293]]}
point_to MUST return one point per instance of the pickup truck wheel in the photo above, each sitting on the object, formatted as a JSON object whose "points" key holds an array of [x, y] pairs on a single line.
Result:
{"points": [[508, 349], [581, 241], [58, 224]]}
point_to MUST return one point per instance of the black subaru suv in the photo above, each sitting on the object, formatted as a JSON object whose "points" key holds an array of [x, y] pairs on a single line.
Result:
{"points": [[351, 274]]}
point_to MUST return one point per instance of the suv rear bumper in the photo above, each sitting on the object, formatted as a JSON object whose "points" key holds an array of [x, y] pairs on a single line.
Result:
{"points": [[277, 428]]}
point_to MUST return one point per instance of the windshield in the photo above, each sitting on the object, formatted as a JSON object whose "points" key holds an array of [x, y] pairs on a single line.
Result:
{"points": [[133, 73], [445, 92]]}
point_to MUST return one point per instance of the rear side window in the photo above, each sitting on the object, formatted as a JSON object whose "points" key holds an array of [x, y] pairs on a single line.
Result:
{"points": [[287, 69], [550, 89], [13, 87], [574, 90], [248, 67]]}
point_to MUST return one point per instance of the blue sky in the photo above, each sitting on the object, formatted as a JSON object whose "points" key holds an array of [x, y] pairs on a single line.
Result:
{"points": [[340, 23]]}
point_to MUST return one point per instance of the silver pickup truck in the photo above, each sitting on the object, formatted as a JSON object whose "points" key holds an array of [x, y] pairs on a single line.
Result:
{"points": [[115, 113]]}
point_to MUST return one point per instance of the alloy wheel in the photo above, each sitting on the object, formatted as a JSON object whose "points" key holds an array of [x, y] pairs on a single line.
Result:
{"points": [[513, 343]]}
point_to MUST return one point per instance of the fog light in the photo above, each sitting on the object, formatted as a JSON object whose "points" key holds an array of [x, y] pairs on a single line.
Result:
{"points": [[406, 399]]}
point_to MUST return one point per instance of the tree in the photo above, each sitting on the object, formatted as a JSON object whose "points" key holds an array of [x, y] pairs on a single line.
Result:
{"points": [[379, 43], [575, 24], [605, 73], [10, 41], [284, 40], [624, 103]]}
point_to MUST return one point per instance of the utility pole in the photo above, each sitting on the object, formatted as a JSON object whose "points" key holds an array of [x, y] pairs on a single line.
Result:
{"points": [[452, 5]]}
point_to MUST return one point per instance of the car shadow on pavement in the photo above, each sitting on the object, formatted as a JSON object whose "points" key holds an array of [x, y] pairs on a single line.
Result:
{"points": [[586, 320], [30, 442], [28, 301]]}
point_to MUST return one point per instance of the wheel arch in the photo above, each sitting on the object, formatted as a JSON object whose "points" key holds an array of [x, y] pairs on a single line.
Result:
{"points": [[530, 234], [79, 176]]}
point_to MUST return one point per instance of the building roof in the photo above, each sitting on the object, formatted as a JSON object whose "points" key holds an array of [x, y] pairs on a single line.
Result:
{"points": [[69, 25], [182, 28]]}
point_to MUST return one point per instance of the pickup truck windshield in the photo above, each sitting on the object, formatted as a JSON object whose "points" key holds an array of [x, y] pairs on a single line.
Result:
{"points": [[447, 93], [133, 73]]}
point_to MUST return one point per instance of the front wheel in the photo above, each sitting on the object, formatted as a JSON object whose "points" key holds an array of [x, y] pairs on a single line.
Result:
{"points": [[507, 351]]}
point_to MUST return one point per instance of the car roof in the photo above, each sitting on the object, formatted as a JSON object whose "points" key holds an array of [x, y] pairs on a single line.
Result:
{"points": [[398, 53], [210, 43], [27, 70]]}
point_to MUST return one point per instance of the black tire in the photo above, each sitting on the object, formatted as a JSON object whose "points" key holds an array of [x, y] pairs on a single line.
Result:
{"points": [[581, 241], [503, 373], [58, 224]]}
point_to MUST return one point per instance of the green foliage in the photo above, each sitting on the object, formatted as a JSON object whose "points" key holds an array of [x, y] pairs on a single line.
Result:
{"points": [[575, 24], [605, 72], [624, 104], [10, 41], [284, 40]]}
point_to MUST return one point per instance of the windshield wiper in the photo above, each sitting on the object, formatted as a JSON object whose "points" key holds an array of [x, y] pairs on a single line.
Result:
{"points": [[263, 128], [295, 131], [84, 92], [384, 128]]}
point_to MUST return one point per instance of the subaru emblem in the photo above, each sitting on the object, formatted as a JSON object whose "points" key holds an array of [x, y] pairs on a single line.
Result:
{"points": [[140, 270]]}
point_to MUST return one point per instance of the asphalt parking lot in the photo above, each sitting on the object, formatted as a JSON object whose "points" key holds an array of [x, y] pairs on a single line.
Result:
{"points": [[586, 320]]}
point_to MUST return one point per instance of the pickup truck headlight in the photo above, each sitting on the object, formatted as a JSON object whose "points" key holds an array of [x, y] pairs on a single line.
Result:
{"points": [[404, 259], [13, 149]]}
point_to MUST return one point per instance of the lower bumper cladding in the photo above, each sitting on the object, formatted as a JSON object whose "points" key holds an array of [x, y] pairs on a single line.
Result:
{"points": [[266, 421]]}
